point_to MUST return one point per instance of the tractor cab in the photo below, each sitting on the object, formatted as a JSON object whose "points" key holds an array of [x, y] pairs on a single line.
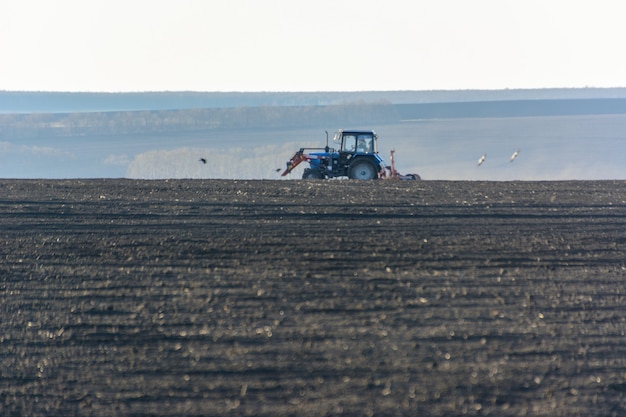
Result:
{"points": [[356, 142]]}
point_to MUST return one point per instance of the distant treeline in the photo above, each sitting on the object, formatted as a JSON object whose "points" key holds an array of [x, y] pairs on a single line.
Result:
{"points": [[59, 102], [15, 126], [161, 121]]}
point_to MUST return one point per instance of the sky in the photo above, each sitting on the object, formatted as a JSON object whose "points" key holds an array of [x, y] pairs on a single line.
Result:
{"points": [[310, 45]]}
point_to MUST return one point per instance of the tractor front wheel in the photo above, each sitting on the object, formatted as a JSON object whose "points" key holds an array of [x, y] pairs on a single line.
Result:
{"points": [[362, 170], [312, 174]]}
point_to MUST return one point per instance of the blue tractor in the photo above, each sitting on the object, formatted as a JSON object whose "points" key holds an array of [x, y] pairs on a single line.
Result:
{"points": [[356, 158]]}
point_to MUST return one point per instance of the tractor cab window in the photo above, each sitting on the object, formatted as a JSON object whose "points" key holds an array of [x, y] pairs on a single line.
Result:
{"points": [[364, 143], [349, 143]]}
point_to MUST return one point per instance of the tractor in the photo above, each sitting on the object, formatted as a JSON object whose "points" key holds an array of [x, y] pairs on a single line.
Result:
{"points": [[356, 158]]}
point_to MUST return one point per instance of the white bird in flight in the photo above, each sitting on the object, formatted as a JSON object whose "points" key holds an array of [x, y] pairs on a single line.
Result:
{"points": [[482, 159], [514, 155]]}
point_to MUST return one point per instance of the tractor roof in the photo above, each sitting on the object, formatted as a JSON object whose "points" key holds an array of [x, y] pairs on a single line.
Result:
{"points": [[358, 131]]}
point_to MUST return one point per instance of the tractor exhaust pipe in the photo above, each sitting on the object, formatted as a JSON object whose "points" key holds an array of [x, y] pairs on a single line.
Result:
{"points": [[327, 149]]}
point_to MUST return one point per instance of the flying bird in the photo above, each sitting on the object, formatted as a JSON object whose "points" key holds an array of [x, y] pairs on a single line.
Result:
{"points": [[514, 155], [482, 159], [203, 160]]}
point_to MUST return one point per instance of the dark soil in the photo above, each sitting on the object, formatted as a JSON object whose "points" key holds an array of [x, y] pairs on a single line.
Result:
{"points": [[193, 297]]}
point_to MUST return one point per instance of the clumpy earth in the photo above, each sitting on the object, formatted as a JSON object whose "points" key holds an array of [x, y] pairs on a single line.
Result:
{"points": [[270, 298]]}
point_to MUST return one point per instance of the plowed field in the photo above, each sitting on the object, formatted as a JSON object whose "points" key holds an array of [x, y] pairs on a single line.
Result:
{"points": [[208, 297]]}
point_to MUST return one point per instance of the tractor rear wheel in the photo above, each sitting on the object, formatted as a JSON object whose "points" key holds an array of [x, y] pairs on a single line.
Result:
{"points": [[362, 170], [312, 174]]}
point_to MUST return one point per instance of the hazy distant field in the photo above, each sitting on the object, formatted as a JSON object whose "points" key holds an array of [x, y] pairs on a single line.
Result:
{"points": [[207, 297], [552, 148]]}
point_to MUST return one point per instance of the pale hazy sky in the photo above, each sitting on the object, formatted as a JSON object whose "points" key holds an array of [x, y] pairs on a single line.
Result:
{"points": [[310, 45]]}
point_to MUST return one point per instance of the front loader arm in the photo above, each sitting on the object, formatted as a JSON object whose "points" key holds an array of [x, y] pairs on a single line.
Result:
{"points": [[300, 156], [295, 160]]}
